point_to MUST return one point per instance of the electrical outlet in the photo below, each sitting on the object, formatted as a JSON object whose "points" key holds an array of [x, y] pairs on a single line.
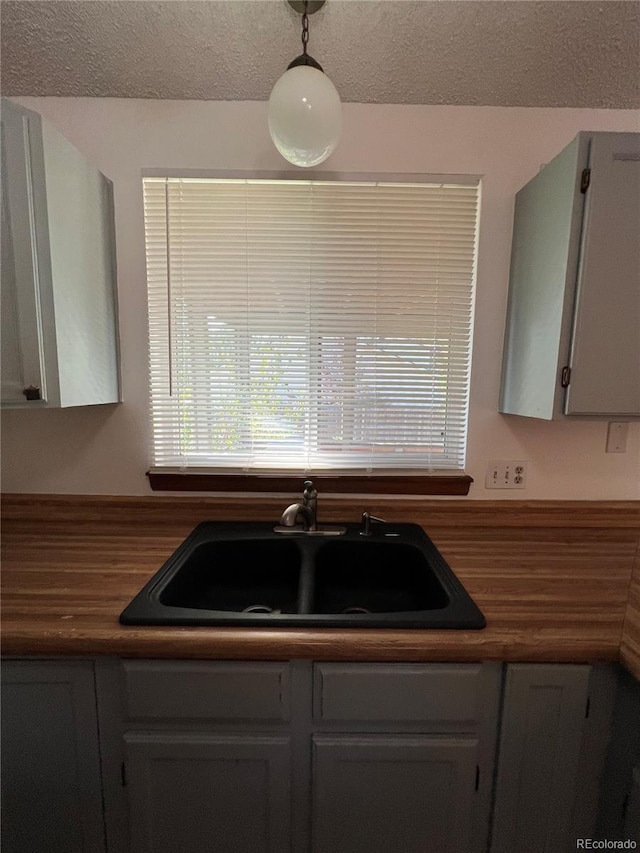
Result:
{"points": [[506, 474]]}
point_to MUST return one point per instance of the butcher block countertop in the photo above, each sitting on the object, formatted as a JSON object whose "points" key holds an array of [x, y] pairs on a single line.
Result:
{"points": [[555, 580]]}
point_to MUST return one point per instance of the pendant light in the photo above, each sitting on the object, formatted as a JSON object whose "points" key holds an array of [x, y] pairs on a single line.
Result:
{"points": [[305, 112]]}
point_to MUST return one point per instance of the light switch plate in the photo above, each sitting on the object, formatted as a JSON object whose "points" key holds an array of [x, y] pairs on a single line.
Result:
{"points": [[617, 433]]}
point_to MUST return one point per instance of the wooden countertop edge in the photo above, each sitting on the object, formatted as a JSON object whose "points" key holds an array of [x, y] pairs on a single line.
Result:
{"points": [[362, 646]]}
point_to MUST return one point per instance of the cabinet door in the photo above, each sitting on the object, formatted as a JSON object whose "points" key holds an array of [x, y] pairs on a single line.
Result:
{"points": [[51, 791], [201, 793], [83, 274], [572, 343], [542, 725], [59, 305], [391, 793], [632, 816], [13, 374], [27, 307], [605, 351], [544, 262]]}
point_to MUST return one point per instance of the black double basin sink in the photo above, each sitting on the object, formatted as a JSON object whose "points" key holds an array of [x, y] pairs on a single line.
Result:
{"points": [[248, 574]]}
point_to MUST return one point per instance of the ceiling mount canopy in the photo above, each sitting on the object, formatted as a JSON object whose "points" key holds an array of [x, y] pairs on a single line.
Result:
{"points": [[305, 112], [312, 6]]}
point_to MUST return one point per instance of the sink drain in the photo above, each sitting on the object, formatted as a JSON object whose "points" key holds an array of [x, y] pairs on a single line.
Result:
{"points": [[258, 608], [356, 609]]}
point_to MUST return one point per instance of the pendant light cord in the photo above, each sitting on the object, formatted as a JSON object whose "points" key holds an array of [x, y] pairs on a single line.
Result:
{"points": [[304, 58], [305, 28]]}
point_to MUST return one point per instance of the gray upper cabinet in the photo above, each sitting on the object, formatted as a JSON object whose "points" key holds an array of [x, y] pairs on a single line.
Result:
{"points": [[572, 342], [59, 311]]}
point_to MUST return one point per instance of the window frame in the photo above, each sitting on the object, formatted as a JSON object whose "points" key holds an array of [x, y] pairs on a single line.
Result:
{"points": [[411, 482]]}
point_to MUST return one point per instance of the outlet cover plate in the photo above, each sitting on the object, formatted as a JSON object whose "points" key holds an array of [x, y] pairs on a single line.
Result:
{"points": [[506, 474]]}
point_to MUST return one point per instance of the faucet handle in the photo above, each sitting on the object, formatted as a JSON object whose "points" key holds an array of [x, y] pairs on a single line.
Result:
{"points": [[367, 521]]}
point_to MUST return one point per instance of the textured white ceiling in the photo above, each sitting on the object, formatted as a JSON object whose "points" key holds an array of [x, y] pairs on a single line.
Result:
{"points": [[555, 53]]}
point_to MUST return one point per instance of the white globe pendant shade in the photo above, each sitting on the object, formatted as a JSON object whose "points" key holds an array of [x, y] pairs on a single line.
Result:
{"points": [[305, 116]]}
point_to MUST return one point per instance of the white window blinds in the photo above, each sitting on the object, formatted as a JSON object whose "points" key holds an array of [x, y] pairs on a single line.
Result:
{"points": [[310, 325]]}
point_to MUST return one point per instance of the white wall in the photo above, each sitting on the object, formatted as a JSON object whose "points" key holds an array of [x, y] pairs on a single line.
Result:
{"points": [[106, 450]]}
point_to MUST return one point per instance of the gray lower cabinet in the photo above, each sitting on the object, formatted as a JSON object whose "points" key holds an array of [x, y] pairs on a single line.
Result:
{"points": [[632, 811], [194, 793], [207, 756], [51, 788], [403, 756], [297, 757], [393, 792], [619, 812], [541, 764]]}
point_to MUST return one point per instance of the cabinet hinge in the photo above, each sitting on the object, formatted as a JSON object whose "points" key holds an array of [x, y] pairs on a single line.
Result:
{"points": [[625, 807], [588, 708], [123, 774], [585, 180], [477, 776], [565, 377], [32, 393]]}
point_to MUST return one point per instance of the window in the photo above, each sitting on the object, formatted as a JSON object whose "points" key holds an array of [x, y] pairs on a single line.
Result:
{"points": [[310, 325]]}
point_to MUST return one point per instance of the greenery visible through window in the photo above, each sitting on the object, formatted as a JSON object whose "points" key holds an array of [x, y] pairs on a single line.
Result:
{"points": [[310, 325]]}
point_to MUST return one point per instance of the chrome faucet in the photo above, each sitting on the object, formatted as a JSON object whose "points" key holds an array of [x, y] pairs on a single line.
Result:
{"points": [[307, 511]]}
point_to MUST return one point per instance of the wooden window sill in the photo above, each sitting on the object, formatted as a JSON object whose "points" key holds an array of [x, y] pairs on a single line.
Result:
{"points": [[393, 484]]}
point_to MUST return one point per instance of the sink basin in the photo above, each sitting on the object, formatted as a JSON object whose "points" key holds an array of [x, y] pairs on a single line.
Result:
{"points": [[375, 577], [231, 576], [247, 574]]}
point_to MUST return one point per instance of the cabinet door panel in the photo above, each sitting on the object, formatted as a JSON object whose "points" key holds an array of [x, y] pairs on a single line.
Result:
{"points": [[220, 690], [435, 696], [546, 236], [51, 792], [13, 380], [59, 303], [197, 793], [605, 357], [390, 793], [23, 334], [542, 725], [81, 241], [632, 817]]}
